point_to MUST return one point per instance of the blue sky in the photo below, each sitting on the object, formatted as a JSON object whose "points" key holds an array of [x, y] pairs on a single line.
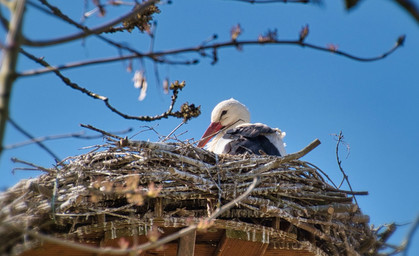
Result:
{"points": [[307, 93]]}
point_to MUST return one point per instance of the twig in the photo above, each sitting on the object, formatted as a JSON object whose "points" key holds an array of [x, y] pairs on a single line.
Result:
{"points": [[77, 135], [324, 174], [183, 159], [149, 128], [155, 56], [287, 158], [102, 61], [302, 152], [16, 160], [411, 7], [137, 10], [177, 127], [56, 12], [345, 177], [32, 138], [68, 82], [408, 239], [88, 126]]}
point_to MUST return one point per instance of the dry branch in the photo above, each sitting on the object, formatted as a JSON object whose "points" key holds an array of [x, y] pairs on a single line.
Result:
{"points": [[411, 7], [187, 111], [200, 49], [97, 30], [31, 137], [55, 11], [78, 135]]}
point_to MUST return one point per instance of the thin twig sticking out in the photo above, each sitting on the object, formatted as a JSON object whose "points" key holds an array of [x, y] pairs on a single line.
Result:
{"points": [[149, 245], [345, 177], [105, 133], [77, 135], [284, 159], [32, 138], [36, 167], [408, 239], [174, 130]]}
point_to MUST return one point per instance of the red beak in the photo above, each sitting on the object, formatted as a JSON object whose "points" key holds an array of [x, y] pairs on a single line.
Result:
{"points": [[209, 133]]}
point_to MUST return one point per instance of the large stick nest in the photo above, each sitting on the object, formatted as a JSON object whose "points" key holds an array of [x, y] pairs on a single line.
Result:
{"points": [[178, 182]]}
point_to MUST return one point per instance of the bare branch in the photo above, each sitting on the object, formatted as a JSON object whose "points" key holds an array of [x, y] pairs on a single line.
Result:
{"points": [[104, 133], [157, 56], [56, 12], [77, 135], [345, 177], [411, 7], [187, 111], [8, 63], [102, 28], [170, 134], [39, 143], [284, 159], [78, 64], [302, 152], [36, 167], [408, 240]]}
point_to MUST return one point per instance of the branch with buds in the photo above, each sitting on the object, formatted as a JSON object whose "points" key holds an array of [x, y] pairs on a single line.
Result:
{"points": [[187, 111], [269, 38]]}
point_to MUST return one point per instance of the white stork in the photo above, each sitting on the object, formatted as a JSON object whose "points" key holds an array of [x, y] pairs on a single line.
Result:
{"points": [[235, 135]]}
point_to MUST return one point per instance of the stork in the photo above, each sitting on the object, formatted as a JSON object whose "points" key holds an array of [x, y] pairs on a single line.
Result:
{"points": [[232, 133]]}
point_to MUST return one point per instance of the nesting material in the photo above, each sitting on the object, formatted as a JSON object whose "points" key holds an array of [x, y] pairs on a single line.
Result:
{"points": [[140, 184]]}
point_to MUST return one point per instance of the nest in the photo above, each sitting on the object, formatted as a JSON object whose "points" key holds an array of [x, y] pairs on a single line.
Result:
{"points": [[135, 185]]}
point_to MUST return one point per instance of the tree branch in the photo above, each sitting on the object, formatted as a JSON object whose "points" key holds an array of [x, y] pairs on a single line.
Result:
{"points": [[284, 159], [104, 133], [35, 167], [97, 30], [408, 239], [56, 12], [187, 111], [39, 143], [411, 7], [8, 63], [78, 135], [345, 177], [156, 56], [105, 60]]}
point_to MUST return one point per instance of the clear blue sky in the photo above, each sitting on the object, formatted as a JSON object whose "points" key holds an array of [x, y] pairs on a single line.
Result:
{"points": [[307, 93]]}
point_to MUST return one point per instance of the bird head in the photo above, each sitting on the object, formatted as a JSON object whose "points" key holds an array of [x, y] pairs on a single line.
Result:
{"points": [[226, 115]]}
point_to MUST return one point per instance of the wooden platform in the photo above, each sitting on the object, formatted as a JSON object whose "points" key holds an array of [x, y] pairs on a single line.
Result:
{"points": [[216, 241]]}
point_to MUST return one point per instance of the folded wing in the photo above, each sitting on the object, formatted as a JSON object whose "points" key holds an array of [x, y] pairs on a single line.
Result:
{"points": [[256, 138]]}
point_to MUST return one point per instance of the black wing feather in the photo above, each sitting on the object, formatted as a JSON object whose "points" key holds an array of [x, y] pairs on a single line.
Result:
{"points": [[250, 139]]}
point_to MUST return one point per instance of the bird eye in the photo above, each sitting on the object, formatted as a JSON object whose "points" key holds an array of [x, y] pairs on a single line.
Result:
{"points": [[223, 113]]}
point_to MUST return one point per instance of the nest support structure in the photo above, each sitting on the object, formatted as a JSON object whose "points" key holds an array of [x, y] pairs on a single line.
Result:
{"points": [[141, 191]]}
